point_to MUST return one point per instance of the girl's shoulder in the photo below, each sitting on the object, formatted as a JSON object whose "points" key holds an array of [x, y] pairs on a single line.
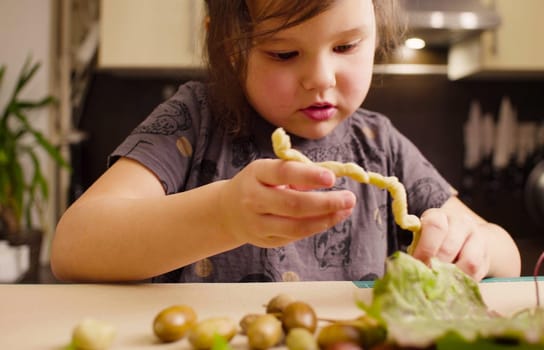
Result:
{"points": [[192, 92], [186, 109], [192, 87]]}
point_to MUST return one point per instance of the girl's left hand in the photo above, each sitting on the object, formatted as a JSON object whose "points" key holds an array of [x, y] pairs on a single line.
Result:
{"points": [[454, 238]]}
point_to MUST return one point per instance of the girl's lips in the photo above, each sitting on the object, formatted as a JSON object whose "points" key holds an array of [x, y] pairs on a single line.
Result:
{"points": [[319, 112]]}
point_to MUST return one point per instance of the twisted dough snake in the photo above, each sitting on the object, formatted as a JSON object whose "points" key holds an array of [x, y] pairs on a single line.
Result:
{"points": [[282, 148]]}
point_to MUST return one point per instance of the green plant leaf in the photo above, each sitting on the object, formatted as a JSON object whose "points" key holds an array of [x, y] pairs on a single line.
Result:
{"points": [[38, 180], [15, 189], [42, 141], [50, 149], [20, 133], [19, 138], [27, 72], [46, 101], [3, 157], [4, 183], [36, 183]]}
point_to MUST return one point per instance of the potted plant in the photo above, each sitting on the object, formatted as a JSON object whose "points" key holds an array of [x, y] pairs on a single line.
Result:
{"points": [[23, 187]]}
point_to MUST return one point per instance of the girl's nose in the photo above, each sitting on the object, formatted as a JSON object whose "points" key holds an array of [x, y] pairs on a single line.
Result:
{"points": [[319, 74]]}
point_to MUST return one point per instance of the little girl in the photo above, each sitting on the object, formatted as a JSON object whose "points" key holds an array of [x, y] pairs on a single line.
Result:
{"points": [[195, 193]]}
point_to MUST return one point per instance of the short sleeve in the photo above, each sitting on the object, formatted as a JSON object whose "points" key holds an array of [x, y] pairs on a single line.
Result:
{"points": [[164, 142]]}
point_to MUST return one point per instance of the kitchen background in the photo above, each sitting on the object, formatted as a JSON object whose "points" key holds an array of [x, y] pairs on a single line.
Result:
{"points": [[117, 71]]}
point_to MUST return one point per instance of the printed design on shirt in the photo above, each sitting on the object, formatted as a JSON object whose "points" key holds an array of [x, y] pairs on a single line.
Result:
{"points": [[380, 217], [369, 277], [184, 146], [332, 248], [201, 97], [341, 184], [137, 145], [272, 259], [357, 150], [334, 152], [256, 277], [367, 155], [290, 276], [203, 268], [374, 160], [244, 151], [207, 172], [169, 117], [426, 193], [368, 132]]}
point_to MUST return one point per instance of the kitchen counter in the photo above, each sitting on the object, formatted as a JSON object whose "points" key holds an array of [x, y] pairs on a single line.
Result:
{"points": [[43, 316]]}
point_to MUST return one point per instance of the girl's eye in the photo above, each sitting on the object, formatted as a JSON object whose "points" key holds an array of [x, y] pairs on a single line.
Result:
{"points": [[345, 48], [283, 56]]}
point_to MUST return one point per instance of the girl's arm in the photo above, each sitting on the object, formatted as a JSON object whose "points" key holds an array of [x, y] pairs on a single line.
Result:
{"points": [[125, 228]]}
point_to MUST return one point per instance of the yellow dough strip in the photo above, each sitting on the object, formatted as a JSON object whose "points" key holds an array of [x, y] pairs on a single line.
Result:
{"points": [[282, 148]]}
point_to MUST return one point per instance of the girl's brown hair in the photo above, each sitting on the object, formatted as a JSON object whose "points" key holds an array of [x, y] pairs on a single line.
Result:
{"points": [[230, 34]]}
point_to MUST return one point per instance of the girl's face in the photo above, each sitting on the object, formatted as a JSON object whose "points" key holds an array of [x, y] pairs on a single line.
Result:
{"points": [[310, 77]]}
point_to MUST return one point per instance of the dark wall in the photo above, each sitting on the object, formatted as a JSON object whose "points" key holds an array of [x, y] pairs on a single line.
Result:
{"points": [[115, 104], [429, 109]]}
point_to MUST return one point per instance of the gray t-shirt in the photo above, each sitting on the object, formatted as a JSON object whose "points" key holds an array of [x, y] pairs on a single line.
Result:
{"points": [[182, 144]]}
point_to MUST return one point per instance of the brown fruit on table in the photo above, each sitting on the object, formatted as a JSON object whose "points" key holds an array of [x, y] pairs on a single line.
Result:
{"points": [[344, 346], [92, 334], [365, 331], [173, 322], [301, 339], [299, 314], [338, 332], [265, 332], [201, 335], [372, 332], [278, 303], [246, 321]]}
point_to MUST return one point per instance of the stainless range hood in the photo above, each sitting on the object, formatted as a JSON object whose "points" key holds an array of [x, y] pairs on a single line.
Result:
{"points": [[443, 22]]}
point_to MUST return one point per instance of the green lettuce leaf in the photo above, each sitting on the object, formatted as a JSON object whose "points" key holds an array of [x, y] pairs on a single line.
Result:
{"points": [[422, 306]]}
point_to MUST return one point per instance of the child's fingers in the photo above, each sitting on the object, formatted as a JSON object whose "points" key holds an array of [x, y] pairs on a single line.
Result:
{"points": [[295, 174], [458, 231], [298, 204], [473, 259], [276, 194], [278, 231], [434, 228]]}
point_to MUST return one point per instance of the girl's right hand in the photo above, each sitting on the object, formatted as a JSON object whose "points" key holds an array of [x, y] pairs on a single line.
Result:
{"points": [[271, 202]]}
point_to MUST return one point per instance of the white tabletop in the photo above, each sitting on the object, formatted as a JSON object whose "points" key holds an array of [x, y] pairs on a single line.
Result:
{"points": [[43, 316]]}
